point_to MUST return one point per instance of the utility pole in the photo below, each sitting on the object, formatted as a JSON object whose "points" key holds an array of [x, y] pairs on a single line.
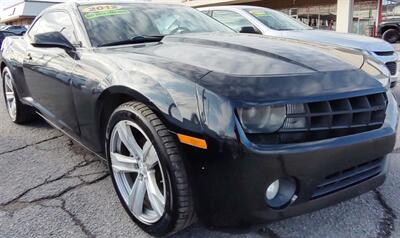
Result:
{"points": [[344, 16]]}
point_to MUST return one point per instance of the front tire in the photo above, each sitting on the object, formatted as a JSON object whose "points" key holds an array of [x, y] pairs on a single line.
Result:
{"points": [[147, 170], [391, 36], [18, 112]]}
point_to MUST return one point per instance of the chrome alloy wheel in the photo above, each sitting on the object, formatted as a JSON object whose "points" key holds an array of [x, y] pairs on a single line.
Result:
{"points": [[137, 172], [10, 96]]}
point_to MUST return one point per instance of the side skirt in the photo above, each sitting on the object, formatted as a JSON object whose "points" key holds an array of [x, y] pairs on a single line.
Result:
{"points": [[72, 137]]}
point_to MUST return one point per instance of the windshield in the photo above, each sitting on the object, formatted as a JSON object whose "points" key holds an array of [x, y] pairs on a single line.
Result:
{"points": [[277, 20], [110, 23]]}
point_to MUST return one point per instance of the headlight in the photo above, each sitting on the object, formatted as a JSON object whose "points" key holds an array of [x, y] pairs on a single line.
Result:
{"points": [[377, 69], [368, 53], [384, 76], [381, 67], [265, 119]]}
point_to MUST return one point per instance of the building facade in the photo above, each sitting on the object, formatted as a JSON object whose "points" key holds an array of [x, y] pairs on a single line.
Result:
{"points": [[391, 9], [356, 16], [323, 14], [23, 12]]}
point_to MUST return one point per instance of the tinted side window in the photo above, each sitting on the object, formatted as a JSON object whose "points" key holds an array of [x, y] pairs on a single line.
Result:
{"points": [[35, 27], [63, 24], [232, 19], [54, 21]]}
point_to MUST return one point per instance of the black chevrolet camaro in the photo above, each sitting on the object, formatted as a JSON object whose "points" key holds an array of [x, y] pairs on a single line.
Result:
{"points": [[195, 120]]}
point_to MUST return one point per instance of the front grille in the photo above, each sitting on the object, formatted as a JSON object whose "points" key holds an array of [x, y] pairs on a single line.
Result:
{"points": [[328, 119], [392, 66], [384, 53], [349, 177]]}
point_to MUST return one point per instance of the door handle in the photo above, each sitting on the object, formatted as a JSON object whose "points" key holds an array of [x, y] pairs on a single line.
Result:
{"points": [[29, 56]]}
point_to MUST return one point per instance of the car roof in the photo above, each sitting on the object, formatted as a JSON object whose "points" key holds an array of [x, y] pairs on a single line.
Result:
{"points": [[119, 2], [82, 3], [233, 7], [74, 4], [9, 26], [5, 31]]}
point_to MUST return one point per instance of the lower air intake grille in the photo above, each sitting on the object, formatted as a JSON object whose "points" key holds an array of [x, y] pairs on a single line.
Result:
{"points": [[349, 177], [392, 66]]}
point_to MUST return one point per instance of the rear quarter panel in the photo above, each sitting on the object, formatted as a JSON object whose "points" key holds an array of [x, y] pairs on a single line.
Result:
{"points": [[13, 52]]}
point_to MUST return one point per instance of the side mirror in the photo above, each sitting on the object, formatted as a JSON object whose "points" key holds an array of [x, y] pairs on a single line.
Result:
{"points": [[248, 29], [52, 39]]}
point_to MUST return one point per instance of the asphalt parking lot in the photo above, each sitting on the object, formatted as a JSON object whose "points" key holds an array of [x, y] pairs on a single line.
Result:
{"points": [[51, 187]]}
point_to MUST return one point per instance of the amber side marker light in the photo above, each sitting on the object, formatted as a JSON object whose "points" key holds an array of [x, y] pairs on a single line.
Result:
{"points": [[193, 141]]}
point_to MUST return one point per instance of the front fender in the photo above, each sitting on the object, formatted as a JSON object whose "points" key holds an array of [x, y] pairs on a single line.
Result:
{"points": [[170, 95], [168, 89]]}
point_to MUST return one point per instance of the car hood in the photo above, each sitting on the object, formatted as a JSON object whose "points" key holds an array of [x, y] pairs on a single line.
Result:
{"points": [[340, 39], [240, 54], [250, 68]]}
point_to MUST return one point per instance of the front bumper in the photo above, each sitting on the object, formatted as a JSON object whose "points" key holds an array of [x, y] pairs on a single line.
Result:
{"points": [[325, 201], [311, 163], [310, 167], [238, 188]]}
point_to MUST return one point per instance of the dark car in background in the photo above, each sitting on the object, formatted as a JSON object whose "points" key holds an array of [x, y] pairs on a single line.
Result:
{"points": [[195, 120], [17, 30]]}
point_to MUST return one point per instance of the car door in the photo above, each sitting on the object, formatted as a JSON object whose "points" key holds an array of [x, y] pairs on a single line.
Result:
{"points": [[48, 71]]}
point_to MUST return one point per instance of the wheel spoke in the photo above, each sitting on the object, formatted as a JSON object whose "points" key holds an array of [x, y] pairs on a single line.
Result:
{"points": [[10, 96], [136, 196], [127, 138], [13, 107], [135, 164], [151, 158], [157, 200], [122, 163], [8, 83], [146, 148]]}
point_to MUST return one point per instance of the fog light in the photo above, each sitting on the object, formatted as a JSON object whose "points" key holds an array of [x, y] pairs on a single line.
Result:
{"points": [[272, 190], [281, 192]]}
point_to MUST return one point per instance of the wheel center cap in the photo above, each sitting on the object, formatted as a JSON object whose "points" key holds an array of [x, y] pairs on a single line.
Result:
{"points": [[142, 168]]}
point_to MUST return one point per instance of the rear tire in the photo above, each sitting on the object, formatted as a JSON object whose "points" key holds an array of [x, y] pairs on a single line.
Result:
{"points": [[153, 150], [391, 36], [18, 112]]}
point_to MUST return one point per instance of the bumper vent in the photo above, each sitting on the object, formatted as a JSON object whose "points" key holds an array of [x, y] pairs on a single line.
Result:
{"points": [[349, 177], [392, 66], [328, 119]]}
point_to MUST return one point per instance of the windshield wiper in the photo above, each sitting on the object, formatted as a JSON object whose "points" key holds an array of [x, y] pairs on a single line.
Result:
{"points": [[135, 40]]}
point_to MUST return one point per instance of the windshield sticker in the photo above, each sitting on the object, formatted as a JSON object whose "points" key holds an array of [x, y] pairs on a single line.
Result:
{"points": [[259, 13], [103, 11]]}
